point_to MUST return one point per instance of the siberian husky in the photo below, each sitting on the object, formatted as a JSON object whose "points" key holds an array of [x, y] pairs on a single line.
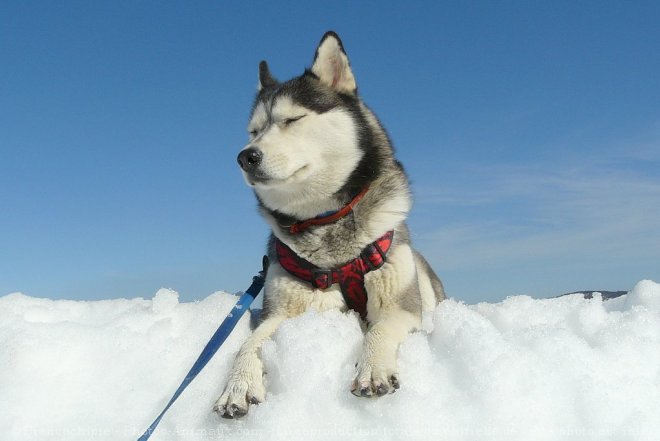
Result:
{"points": [[323, 170]]}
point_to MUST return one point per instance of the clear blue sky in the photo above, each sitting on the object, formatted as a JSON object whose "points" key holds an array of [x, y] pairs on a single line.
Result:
{"points": [[530, 130]]}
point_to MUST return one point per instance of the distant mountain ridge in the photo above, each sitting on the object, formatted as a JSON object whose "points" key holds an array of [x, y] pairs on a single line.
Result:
{"points": [[607, 295]]}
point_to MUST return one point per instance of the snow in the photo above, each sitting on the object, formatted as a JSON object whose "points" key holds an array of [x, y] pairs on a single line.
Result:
{"points": [[523, 369]]}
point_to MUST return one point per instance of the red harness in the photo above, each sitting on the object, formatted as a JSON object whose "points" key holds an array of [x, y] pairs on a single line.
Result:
{"points": [[349, 276]]}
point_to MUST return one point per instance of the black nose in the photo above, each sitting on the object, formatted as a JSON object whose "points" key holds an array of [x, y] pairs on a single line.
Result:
{"points": [[249, 159]]}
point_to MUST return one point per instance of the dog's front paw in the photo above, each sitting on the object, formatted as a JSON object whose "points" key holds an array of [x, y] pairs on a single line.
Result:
{"points": [[374, 381], [236, 398], [242, 390]]}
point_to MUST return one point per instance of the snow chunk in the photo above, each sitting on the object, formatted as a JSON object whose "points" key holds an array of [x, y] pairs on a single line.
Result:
{"points": [[165, 301], [645, 293]]}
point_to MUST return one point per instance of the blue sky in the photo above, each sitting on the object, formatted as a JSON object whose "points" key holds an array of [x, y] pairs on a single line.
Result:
{"points": [[530, 131]]}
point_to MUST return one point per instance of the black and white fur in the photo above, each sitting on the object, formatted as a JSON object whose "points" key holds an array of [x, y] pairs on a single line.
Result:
{"points": [[313, 146]]}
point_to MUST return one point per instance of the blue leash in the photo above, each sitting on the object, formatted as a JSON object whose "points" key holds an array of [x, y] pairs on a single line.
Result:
{"points": [[216, 341]]}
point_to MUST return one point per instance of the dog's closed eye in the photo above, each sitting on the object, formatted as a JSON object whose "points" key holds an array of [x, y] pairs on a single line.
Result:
{"points": [[288, 121]]}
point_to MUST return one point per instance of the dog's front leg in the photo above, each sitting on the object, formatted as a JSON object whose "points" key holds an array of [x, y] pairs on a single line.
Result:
{"points": [[245, 385], [377, 367]]}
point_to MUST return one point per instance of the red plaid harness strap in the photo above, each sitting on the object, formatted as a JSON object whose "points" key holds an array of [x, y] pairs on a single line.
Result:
{"points": [[349, 276]]}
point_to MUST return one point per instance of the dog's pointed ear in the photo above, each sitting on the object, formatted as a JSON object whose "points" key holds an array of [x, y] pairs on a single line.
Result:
{"points": [[331, 64], [266, 80]]}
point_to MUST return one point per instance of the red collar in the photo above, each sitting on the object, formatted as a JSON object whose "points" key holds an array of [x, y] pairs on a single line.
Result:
{"points": [[349, 276], [303, 225]]}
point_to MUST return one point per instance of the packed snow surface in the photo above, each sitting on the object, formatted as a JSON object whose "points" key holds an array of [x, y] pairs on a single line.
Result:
{"points": [[522, 369]]}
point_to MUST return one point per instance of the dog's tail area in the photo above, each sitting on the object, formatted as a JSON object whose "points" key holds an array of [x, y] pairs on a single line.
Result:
{"points": [[430, 285]]}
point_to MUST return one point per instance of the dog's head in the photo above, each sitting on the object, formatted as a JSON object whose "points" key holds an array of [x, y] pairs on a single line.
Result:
{"points": [[305, 133]]}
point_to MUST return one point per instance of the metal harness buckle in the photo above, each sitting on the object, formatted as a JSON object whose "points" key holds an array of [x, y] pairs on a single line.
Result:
{"points": [[317, 274], [370, 250]]}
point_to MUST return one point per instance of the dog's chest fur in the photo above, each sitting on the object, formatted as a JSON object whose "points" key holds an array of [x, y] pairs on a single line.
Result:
{"points": [[384, 208]]}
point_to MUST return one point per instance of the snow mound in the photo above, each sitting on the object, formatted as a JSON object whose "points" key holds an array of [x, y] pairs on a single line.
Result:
{"points": [[564, 368]]}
